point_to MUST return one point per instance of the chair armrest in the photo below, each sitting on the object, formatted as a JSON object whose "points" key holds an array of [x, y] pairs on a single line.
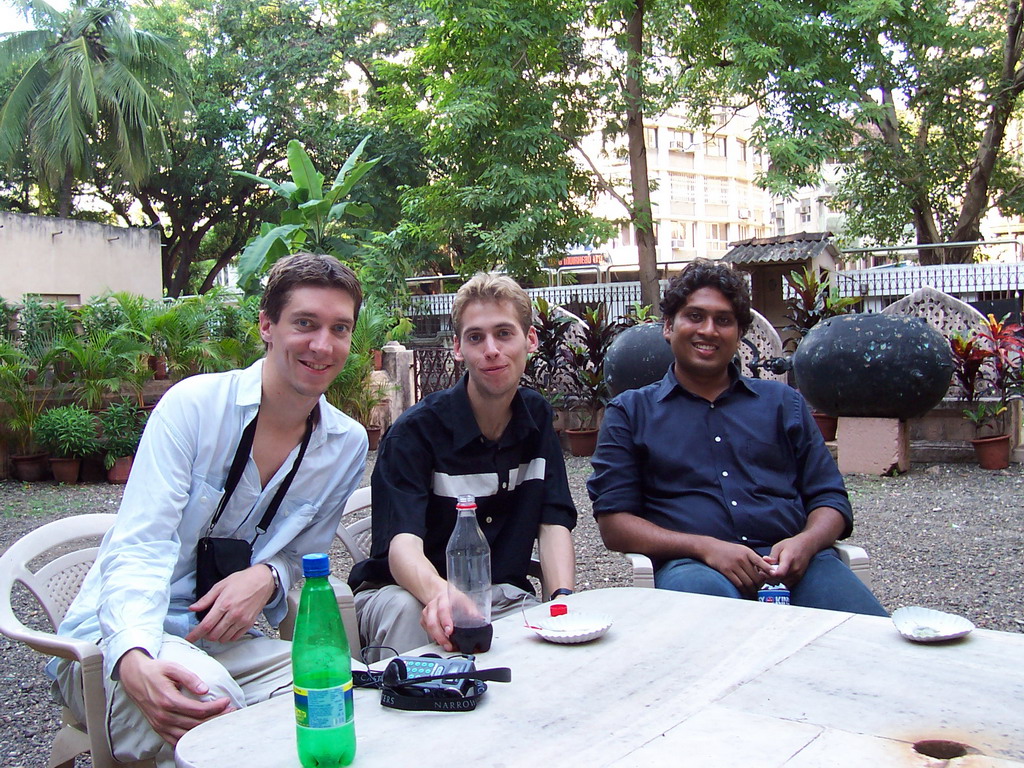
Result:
{"points": [[47, 643], [643, 569], [346, 606], [856, 558]]}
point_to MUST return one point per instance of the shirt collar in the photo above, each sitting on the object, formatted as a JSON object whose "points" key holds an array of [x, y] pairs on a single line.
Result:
{"points": [[670, 384], [250, 393], [465, 431]]}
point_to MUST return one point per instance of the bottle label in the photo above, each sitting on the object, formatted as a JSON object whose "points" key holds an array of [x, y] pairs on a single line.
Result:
{"points": [[324, 707]]}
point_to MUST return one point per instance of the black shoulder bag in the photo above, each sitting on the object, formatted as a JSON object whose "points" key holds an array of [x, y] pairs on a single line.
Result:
{"points": [[218, 558]]}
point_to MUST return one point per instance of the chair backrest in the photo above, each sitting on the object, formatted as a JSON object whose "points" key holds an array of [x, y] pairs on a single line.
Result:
{"points": [[57, 581], [356, 536]]}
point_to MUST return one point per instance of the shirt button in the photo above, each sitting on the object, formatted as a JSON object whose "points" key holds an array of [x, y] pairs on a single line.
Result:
{"points": [[488, 519], [712, 405], [743, 538], [733, 503], [718, 439], [725, 474], [504, 486]]}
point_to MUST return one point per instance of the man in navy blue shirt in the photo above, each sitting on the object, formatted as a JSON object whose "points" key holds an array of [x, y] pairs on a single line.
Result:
{"points": [[486, 437], [723, 481]]}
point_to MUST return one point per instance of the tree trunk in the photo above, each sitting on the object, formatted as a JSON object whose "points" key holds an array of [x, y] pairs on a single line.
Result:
{"points": [[643, 223], [65, 193], [968, 225]]}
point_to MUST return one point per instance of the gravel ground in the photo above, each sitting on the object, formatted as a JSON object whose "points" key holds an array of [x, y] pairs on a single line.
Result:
{"points": [[946, 536]]}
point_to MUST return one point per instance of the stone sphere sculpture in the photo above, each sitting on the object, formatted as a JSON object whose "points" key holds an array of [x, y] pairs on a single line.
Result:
{"points": [[871, 365], [639, 356]]}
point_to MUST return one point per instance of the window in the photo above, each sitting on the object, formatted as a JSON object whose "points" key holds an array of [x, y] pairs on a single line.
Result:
{"points": [[625, 235], [805, 211], [718, 237], [680, 237], [682, 190], [741, 147], [716, 146], [651, 138], [680, 141], [780, 219], [717, 190]]}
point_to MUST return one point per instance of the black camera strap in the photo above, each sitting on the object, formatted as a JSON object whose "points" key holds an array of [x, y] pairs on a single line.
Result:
{"points": [[426, 700], [238, 463]]}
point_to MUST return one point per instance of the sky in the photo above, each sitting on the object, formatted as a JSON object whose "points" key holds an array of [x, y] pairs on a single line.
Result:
{"points": [[11, 21]]}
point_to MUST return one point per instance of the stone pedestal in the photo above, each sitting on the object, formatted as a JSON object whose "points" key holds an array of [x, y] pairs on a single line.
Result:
{"points": [[872, 446]]}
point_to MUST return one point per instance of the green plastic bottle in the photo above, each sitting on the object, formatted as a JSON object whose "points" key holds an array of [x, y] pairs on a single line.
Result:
{"points": [[322, 668]]}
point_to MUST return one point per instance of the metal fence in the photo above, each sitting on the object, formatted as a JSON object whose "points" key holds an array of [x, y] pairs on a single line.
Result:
{"points": [[990, 287], [431, 315]]}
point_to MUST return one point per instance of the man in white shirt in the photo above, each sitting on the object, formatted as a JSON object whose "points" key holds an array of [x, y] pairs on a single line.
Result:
{"points": [[165, 670]]}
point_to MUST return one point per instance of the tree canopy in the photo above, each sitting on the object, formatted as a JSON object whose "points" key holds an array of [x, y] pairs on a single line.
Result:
{"points": [[92, 91]]}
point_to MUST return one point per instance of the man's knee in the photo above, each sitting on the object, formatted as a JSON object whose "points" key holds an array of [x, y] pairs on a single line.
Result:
{"points": [[688, 575], [828, 583], [389, 617]]}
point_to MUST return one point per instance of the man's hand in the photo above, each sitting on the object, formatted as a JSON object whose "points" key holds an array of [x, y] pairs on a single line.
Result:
{"points": [[741, 565], [234, 604], [160, 689], [436, 620], [789, 559]]}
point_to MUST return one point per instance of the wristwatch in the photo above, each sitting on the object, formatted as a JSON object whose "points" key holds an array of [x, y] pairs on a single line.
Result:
{"points": [[277, 581], [560, 593]]}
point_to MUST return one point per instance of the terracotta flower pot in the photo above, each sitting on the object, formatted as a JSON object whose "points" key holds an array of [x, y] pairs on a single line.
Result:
{"points": [[373, 434], [582, 442], [992, 452], [65, 470], [31, 468], [827, 424], [158, 365], [118, 474]]}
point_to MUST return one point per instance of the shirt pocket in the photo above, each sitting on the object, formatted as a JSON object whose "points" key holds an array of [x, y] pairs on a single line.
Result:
{"points": [[770, 468]]}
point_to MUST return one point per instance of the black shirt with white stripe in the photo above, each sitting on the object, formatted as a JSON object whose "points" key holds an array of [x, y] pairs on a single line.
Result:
{"points": [[435, 452]]}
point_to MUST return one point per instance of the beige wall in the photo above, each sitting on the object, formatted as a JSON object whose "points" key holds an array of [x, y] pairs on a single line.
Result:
{"points": [[75, 260]]}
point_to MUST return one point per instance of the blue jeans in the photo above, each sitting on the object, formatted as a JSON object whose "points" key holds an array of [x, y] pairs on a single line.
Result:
{"points": [[828, 583]]}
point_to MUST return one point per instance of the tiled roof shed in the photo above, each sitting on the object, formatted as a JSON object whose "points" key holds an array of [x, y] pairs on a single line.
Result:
{"points": [[797, 248]]}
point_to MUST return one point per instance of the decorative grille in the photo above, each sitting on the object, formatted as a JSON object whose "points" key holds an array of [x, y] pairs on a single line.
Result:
{"points": [[435, 368]]}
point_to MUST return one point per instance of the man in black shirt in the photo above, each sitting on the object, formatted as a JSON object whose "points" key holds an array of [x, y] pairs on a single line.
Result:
{"points": [[485, 437]]}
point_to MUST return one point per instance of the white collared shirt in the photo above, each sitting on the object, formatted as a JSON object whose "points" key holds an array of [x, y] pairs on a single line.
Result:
{"points": [[144, 577]]}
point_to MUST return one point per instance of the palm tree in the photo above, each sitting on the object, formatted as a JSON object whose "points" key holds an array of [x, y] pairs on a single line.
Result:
{"points": [[92, 92]]}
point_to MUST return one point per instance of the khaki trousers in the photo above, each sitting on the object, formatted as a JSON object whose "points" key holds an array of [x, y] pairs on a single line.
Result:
{"points": [[246, 671]]}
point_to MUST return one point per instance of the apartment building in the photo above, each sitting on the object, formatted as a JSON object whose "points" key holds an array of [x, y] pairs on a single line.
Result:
{"points": [[702, 193]]}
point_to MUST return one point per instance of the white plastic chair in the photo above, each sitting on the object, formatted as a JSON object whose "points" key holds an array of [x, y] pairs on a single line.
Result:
{"points": [[356, 539], [54, 585], [855, 557]]}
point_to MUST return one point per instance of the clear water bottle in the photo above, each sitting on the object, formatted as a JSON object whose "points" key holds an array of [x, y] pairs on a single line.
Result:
{"points": [[322, 668], [469, 581]]}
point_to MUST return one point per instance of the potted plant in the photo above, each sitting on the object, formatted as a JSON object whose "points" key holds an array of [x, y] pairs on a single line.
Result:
{"points": [[121, 424], [361, 406], [997, 342], [25, 403], [812, 300], [590, 390], [69, 433]]}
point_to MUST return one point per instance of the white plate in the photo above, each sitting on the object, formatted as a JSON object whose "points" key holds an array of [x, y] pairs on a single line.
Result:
{"points": [[924, 625], [572, 627]]}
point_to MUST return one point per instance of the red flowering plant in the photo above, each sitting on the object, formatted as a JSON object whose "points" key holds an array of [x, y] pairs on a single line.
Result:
{"points": [[1000, 342]]}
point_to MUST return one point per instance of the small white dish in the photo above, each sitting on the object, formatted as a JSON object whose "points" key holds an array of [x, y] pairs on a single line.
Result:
{"points": [[924, 625], [572, 627]]}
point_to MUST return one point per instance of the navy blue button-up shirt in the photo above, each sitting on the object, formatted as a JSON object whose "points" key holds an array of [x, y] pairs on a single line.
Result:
{"points": [[747, 468]]}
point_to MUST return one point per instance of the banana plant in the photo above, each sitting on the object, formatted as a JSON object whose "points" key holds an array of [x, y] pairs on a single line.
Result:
{"points": [[311, 221]]}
